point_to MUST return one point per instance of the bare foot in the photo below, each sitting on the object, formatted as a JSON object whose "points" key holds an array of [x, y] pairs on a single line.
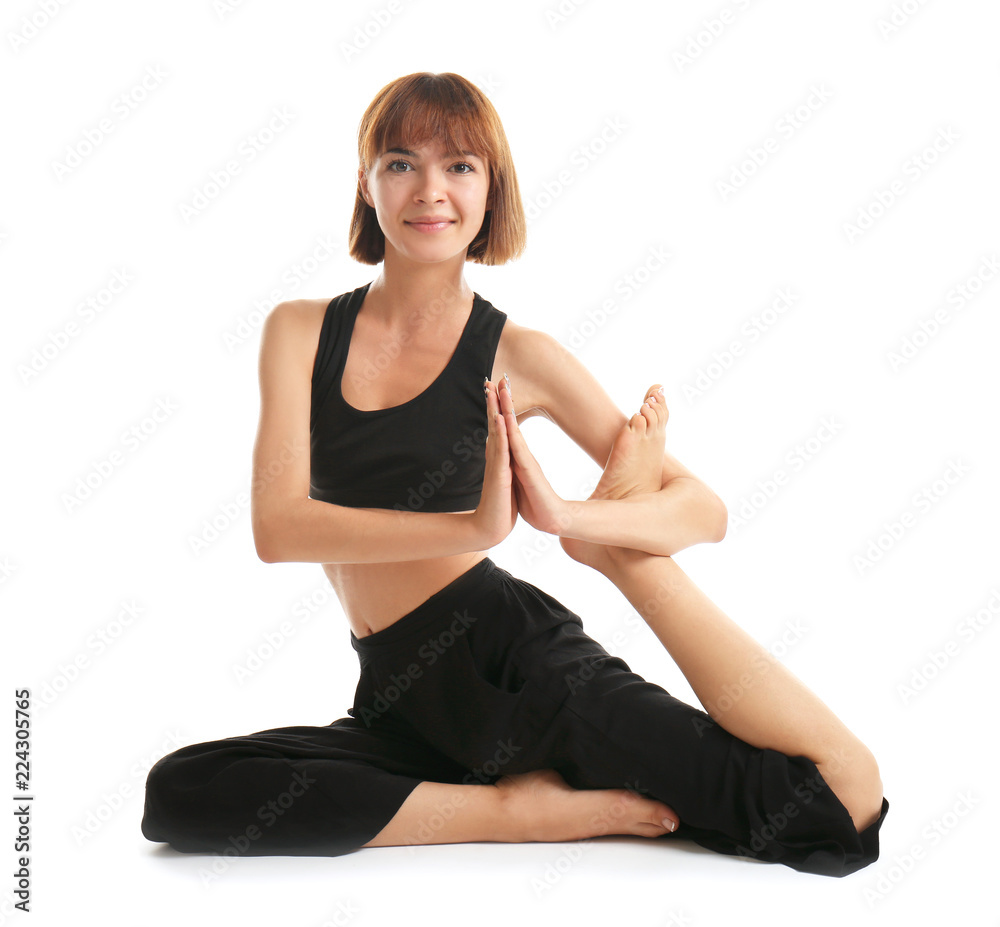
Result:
{"points": [[544, 808], [635, 465]]}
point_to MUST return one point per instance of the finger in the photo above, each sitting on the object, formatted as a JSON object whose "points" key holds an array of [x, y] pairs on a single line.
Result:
{"points": [[518, 446], [492, 407], [497, 425], [506, 401]]}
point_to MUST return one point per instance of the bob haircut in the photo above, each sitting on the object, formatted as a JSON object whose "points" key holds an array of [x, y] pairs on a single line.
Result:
{"points": [[414, 109]]}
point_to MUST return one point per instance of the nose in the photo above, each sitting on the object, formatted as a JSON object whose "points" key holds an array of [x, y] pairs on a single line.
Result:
{"points": [[431, 188]]}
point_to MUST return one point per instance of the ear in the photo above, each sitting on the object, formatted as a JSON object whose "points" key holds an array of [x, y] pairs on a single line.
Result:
{"points": [[363, 181]]}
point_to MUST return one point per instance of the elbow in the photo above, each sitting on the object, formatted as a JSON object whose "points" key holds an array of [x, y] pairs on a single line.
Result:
{"points": [[266, 550], [265, 540]]}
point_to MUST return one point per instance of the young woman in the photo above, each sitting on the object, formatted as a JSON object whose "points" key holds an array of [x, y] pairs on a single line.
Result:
{"points": [[483, 711]]}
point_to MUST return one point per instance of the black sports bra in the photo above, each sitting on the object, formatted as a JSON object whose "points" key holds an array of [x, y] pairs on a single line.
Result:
{"points": [[427, 454]]}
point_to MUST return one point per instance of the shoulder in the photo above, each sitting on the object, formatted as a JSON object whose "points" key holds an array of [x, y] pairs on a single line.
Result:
{"points": [[296, 313], [290, 333], [539, 362], [295, 319]]}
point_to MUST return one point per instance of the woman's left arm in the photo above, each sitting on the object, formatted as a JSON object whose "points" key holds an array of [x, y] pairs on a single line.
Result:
{"points": [[683, 512]]}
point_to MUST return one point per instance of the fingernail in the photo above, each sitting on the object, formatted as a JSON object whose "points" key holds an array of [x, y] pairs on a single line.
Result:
{"points": [[669, 825]]}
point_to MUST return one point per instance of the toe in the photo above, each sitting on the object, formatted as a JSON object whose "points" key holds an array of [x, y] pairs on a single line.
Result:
{"points": [[649, 414], [659, 404], [638, 422]]}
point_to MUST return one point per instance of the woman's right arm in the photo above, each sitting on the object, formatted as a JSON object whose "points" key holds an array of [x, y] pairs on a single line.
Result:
{"points": [[289, 526]]}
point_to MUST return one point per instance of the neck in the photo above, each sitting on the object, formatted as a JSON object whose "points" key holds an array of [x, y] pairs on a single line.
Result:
{"points": [[405, 288]]}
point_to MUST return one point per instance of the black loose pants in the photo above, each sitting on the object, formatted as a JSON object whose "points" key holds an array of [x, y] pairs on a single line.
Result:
{"points": [[489, 677]]}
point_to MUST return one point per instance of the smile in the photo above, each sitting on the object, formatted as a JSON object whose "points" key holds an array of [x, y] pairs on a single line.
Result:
{"points": [[429, 226]]}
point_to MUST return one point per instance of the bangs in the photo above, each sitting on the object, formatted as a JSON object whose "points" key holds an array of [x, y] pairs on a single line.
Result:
{"points": [[425, 112], [450, 111]]}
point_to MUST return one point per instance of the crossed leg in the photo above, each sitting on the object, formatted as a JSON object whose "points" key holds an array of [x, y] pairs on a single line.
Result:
{"points": [[774, 708]]}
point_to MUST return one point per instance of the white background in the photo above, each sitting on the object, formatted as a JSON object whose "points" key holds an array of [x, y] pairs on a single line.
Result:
{"points": [[184, 334]]}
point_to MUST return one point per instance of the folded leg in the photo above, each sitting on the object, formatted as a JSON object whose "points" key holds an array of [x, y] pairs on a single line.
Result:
{"points": [[304, 790]]}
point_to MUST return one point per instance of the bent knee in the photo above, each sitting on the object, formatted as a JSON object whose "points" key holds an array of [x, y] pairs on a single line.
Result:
{"points": [[855, 779]]}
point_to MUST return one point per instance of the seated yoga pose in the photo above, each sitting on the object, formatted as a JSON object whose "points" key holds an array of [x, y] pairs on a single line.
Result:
{"points": [[483, 711]]}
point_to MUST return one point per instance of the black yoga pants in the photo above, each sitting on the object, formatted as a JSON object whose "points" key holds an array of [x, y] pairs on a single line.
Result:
{"points": [[491, 676]]}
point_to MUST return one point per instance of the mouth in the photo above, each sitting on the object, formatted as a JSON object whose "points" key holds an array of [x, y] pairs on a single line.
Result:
{"points": [[431, 226]]}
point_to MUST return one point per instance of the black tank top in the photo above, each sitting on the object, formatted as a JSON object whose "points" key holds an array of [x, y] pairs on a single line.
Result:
{"points": [[425, 455]]}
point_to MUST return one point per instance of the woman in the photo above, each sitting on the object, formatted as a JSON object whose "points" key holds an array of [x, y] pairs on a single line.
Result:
{"points": [[483, 711]]}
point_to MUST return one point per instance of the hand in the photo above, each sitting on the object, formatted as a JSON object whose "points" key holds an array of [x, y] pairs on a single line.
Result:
{"points": [[539, 504], [496, 513]]}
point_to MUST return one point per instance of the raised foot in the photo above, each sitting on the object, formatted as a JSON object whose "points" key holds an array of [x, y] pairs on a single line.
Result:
{"points": [[544, 808], [634, 466]]}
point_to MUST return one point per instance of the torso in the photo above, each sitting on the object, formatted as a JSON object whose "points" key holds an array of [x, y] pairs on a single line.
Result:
{"points": [[375, 595]]}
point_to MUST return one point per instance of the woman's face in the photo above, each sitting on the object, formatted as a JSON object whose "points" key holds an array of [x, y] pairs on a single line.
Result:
{"points": [[407, 185]]}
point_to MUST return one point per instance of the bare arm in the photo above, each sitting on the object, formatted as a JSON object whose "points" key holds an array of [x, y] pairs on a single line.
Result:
{"points": [[287, 524], [683, 512]]}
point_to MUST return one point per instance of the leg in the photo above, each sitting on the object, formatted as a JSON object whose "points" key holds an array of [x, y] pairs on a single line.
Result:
{"points": [[321, 791], [287, 791], [772, 708], [529, 807]]}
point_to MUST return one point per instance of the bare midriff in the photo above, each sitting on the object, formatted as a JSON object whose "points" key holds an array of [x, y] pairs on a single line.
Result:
{"points": [[376, 595]]}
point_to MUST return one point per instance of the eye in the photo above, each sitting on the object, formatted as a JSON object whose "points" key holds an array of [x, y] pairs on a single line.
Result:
{"points": [[470, 170], [389, 166]]}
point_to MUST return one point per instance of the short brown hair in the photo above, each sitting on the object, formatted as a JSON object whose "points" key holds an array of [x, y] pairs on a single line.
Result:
{"points": [[413, 109]]}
